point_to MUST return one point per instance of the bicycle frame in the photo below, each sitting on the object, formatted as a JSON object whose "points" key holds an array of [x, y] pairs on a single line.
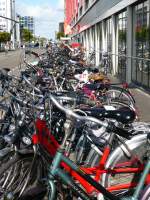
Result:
{"points": [[55, 170], [48, 141]]}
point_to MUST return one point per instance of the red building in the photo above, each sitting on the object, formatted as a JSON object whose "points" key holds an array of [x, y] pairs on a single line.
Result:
{"points": [[71, 14]]}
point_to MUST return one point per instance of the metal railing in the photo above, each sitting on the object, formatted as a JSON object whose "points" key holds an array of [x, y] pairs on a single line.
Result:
{"points": [[118, 55]]}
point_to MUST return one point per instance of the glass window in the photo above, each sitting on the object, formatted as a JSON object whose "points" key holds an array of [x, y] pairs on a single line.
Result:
{"points": [[100, 40], [81, 9], [122, 45], [86, 4], [109, 41], [141, 48]]}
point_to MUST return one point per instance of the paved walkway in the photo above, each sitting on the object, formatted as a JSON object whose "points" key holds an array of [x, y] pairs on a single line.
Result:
{"points": [[11, 59], [143, 104], [142, 101], [15, 59]]}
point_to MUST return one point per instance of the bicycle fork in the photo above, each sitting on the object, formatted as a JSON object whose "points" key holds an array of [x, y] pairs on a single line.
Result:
{"points": [[56, 171]]}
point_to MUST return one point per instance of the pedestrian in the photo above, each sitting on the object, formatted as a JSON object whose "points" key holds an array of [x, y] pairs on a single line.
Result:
{"points": [[6, 48]]}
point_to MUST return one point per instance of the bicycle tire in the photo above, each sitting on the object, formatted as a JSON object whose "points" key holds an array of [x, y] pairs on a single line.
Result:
{"points": [[119, 104], [12, 176], [134, 144], [120, 94], [138, 146]]}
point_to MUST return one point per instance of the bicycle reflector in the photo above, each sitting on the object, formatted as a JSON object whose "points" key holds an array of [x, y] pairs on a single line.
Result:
{"points": [[35, 139], [125, 85]]}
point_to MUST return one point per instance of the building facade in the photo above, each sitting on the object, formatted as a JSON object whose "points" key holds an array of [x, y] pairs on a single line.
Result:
{"points": [[27, 22], [6, 10], [119, 27], [8, 19], [61, 27]]}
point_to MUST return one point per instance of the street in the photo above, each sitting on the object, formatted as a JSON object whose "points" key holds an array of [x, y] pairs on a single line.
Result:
{"points": [[14, 58]]}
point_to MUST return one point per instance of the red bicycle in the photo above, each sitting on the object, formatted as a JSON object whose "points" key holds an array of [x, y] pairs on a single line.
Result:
{"points": [[110, 164]]}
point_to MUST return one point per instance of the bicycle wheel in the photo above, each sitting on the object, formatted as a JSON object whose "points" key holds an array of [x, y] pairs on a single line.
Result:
{"points": [[145, 195], [120, 94], [17, 173], [81, 150], [118, 104], [4, 106], [137, 146]]}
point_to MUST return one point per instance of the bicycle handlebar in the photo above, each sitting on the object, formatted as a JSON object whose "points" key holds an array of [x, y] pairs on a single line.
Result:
{"points": [[110, 126], [25, 103], [29, 83], [71, 113]]}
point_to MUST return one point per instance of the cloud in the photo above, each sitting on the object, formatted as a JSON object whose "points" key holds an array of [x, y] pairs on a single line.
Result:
{"points": [[60, 5], [47, 16]]}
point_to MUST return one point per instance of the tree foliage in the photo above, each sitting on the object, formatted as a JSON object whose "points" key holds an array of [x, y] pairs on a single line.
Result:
{"points": [[4, 37], [60, 34], [142, 33], [122, 35], [27, 35]]}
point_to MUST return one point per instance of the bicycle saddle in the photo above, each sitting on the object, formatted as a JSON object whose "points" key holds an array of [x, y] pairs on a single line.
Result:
{"points": [[123, 115], [96, 77], [96, 86]]}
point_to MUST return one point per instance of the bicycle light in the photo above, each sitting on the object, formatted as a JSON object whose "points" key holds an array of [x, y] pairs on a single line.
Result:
{"points": [[26, 140]]}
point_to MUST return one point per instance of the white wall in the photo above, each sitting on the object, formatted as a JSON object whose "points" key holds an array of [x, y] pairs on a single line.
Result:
{"points": [[5, 10]]}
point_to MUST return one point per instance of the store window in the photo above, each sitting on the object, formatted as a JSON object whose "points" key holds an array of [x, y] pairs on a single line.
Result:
{"points": [[109, 42], [81, 10], [93, 36], [99, 29], [122, 45], [86, 4], [93, 45], [141, 46]]}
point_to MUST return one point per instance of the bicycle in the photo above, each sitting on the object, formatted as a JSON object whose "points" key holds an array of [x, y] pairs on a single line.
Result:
{"points": [[60, 160], [81, 174]]}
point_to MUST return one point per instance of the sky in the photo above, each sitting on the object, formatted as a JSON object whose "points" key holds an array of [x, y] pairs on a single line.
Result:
{"points": [[47, 14]]}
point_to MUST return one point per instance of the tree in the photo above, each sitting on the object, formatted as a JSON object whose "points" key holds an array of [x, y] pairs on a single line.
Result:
{"points": [[60, 34], [122, 35], [142, 33], [27, 35], [4, 37]]}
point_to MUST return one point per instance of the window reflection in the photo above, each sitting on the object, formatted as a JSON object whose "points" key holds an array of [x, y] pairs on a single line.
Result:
{"points": [[122, 31], [109, 42], [100, 40], [141, 68]]}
